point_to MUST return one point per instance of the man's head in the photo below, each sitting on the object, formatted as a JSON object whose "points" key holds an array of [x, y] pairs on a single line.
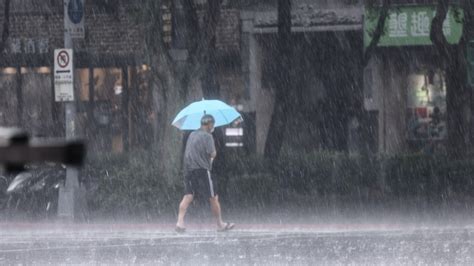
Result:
{"points": [[207, 123]]}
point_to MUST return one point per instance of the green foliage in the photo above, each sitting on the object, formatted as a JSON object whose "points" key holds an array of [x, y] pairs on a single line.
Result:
{"points": [[409, 174], [129, 185], [255, 191], [324, 173], [132, 185], [303, 173], [458, 179]]}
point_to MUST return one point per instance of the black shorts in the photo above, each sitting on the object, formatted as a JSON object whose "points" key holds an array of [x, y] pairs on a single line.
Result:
{"points": [[199, 183]]}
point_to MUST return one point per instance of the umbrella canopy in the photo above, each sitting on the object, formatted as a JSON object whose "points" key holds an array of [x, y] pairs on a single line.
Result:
{"points": [[190, 117]]}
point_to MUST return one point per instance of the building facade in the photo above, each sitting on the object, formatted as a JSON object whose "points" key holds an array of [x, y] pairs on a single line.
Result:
{"points": [[327, 45], [115, 108], [401, 92], [405, 82]]}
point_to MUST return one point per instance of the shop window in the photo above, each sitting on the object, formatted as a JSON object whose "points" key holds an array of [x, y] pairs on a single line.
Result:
{"points": [[234, 137], [8, 71], [8, 101], [108, 89], [42, 70], [107, 83], [426, 112], [81, 80], [36, 95], [234, 133]]}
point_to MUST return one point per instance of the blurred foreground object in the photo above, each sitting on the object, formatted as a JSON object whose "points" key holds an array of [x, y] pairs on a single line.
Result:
{"points": [[16, 150]]}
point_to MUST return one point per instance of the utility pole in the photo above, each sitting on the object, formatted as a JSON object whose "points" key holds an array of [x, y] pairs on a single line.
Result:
{"points": [[71, 196]]}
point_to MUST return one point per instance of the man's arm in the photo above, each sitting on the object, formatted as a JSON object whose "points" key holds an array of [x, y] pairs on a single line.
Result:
{"points": [[211, 148]]}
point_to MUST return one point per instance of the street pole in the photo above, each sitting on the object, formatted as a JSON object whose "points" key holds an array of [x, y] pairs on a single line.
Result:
{"points": [[70, 196], [72, 180]]}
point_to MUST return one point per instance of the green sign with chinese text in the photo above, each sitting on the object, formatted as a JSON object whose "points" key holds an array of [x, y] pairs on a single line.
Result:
{"points": [[411, 25]]}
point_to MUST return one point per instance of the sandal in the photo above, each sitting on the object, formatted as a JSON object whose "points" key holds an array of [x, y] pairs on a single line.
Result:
{"points": [[179, 230], [227, 227]]}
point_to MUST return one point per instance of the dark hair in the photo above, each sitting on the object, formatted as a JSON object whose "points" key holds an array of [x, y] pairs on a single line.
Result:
{"points": [[207, 119]]}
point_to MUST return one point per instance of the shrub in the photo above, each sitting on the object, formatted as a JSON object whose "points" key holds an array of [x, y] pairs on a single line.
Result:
{"points": [[131, 184], [409, 175]]}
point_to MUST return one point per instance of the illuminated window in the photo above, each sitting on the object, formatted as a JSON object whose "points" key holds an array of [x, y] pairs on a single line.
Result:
{"points": [[81, 80], [9, 100], [234, 137], [426, 114], [107, 83]]}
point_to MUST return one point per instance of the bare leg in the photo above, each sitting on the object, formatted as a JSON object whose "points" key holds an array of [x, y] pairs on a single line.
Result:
{"points": [[216, 211], [183, 206]]}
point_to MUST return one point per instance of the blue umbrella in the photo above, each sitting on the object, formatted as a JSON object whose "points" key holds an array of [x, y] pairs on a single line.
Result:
{"points": [[190, 117]]}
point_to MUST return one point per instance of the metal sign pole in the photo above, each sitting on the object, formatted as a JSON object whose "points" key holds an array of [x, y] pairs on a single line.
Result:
{"points": [[68, 195]]}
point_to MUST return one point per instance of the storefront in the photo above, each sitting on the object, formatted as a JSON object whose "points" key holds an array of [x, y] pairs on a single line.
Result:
{"points": [[114, 105], [405, 81]]}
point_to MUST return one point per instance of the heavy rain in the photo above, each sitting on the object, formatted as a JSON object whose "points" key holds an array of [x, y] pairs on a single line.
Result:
{"points": [[236, 132]]}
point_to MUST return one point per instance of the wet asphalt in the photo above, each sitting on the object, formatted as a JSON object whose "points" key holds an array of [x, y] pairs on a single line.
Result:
{"points": [[249, 244]]}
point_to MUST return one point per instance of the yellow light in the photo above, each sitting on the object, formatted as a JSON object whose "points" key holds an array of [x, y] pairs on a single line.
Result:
{"points": [[43, 70], [9, 70]]}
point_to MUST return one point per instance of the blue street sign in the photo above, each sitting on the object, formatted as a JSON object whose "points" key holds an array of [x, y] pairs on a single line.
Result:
{"points": [[75, 10]]}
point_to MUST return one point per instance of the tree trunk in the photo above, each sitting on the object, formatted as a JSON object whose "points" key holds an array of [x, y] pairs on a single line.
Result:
{"points": [[457, 94], [468, 34], [211, 88], [174, 73], [209, 81], [378, 31], [283, 95], [457, 100], [360, 112], [170, 141]]}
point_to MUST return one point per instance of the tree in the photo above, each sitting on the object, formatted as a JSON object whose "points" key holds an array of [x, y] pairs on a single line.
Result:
{"points": [[368, 53], [175, 68], [286, 94], [209, 82], [378, 31], [457, 92], [283, 84]]}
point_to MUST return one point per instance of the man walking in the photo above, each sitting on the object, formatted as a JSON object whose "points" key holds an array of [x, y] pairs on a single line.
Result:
{"points": [[198, 156]]}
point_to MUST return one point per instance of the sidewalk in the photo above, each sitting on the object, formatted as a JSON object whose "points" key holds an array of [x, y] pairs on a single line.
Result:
{"points": [[123, 243], [8, 227]]}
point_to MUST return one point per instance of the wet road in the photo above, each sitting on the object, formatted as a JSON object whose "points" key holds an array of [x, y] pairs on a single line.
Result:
{"points": [[248, 245]]}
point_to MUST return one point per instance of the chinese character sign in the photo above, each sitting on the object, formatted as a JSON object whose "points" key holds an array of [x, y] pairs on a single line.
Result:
{"points": [[412, 25], [27, 46], [397, 24], [420, 24]]}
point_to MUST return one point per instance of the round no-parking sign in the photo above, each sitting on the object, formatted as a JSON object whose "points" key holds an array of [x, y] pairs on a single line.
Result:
{"points": [[63, 75], [63, 59]]}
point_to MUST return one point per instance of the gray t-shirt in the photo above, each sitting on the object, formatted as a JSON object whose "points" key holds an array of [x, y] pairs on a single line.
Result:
{"points": [[198, 151]]}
